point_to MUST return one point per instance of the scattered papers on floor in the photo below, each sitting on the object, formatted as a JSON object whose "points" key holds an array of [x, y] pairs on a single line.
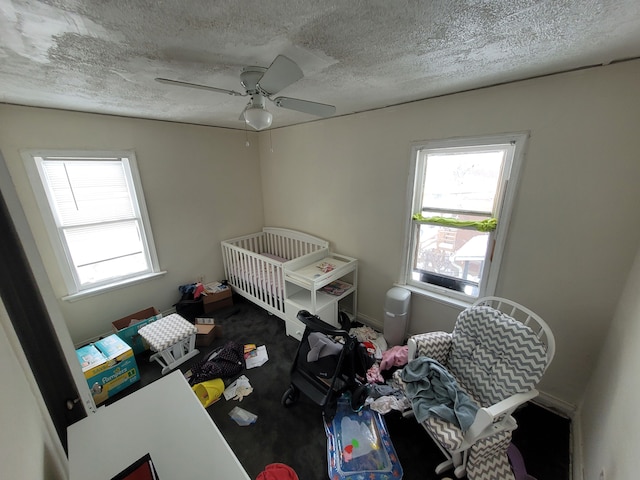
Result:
{"points": [[256, 357], [238, 389]]}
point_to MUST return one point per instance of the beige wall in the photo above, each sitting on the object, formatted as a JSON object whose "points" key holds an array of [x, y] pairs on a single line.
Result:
{"points": [[608, 414], [29, 447], [202, 185], [574, 228], [345, 179]]}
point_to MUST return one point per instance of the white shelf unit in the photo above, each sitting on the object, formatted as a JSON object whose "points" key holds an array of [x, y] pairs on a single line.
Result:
{"points": [[303, 291]]}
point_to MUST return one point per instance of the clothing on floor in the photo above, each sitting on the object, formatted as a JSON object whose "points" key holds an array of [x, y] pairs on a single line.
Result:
{"points": [[224, 362]]}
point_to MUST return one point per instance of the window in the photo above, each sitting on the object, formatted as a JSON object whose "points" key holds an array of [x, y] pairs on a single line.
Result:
{"points": [[94, 209], [461, 196]]}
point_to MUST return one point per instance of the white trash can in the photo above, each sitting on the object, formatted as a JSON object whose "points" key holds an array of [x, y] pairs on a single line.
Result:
{"points": [[396, 315]]}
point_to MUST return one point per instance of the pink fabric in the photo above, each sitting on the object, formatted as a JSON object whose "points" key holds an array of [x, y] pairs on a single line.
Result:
{"points": [[198, 291], [394, 357], [373, 375]]}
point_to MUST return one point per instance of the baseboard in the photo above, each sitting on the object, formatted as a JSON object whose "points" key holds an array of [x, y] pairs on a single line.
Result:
{"points": [[164, 313], [562, 408], [92, 339], [371, 322]]}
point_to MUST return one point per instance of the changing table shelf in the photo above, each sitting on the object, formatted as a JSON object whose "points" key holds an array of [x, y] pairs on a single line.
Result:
{"points": [[304, 291], [323, 272]]}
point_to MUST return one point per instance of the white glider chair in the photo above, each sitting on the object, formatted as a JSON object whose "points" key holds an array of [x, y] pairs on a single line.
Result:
{"points": [[497, 352]]}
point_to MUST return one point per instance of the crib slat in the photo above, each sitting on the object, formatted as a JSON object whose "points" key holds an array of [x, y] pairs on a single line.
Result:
{"points": [[259, 278]]}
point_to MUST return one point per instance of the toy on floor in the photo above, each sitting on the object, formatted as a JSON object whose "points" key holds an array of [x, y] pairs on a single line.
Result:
{"points": [[517, 463], [277, 471], [359, 446]]}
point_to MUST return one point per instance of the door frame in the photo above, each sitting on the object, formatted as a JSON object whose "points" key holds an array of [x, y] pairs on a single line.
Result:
{"points": [[40, 302]]}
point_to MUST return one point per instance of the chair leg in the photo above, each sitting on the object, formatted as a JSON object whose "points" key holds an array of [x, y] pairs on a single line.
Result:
{"points": [[444, 466], [457, 462], [460, 471]]}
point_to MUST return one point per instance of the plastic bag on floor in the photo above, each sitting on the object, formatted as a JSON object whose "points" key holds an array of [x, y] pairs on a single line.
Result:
{"points": [[242, 417]]}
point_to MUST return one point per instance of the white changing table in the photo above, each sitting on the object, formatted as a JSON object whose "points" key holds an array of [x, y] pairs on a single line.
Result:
{"points": [[304, 291]]}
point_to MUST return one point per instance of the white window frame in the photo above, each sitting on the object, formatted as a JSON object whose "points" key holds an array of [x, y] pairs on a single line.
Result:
{"points": [[59, 245], [503, 209]]}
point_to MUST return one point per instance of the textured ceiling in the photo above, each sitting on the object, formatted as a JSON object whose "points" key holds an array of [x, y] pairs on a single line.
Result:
{"points": [[102, 56]]}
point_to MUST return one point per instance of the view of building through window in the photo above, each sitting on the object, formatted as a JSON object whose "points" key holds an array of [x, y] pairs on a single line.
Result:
{"points": [[458, 192]]}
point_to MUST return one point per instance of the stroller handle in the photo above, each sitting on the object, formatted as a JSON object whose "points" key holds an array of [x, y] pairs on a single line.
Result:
{"points": [[316, 324]]}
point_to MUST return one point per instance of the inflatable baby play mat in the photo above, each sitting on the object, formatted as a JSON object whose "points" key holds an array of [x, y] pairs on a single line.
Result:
{"points": [[359, 446]]}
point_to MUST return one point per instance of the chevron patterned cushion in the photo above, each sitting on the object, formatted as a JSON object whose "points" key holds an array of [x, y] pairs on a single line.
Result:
{"points": [[488, 459], [436, 345], [167, 331], [494, 356], [446, 433], [396, 381]]}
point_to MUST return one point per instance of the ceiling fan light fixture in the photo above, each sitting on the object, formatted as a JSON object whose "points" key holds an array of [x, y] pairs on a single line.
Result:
{"points": [[258, 118], [261, 84]]}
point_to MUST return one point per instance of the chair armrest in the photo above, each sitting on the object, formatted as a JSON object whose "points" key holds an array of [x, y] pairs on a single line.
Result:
{"points": [[436, 345], [485, 417]]}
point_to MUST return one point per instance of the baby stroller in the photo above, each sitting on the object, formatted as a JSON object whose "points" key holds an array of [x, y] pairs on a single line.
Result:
{"points": [[327, 364]]}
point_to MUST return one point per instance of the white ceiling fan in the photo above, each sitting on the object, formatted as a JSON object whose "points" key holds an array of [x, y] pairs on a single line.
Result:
{"points": [[262, 83]]}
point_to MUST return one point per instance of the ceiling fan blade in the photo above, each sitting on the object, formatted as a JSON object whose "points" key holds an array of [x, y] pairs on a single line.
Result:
{"points": [[281, 73], [203, 87], [305, 106]]}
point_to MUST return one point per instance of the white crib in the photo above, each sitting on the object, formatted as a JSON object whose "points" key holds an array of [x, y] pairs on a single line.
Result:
{"points": [[255, 264]]}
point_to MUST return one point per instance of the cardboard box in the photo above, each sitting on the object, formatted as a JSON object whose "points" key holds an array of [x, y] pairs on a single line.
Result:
{"points": [[109, 367], [217, 296], [129, 333], [206, 333]]}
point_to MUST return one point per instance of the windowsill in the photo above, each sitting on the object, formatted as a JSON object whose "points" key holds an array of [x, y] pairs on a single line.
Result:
{"points": [[92, 292], [438, 297]]}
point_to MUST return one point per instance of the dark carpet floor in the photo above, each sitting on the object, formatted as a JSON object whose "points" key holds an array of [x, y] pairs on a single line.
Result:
{"points": [[296, 436]]}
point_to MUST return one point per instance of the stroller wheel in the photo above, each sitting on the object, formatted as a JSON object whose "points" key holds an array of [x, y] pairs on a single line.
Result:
{"points": [[358, 397], [344, 320], [330, 408], [290, 396]]}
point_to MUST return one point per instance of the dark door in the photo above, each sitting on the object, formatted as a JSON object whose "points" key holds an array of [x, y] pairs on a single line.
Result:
{"points": [[30, 319]]}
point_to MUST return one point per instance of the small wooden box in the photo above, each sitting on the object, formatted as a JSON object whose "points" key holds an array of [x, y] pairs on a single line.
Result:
{"points": [[206, 334]]}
